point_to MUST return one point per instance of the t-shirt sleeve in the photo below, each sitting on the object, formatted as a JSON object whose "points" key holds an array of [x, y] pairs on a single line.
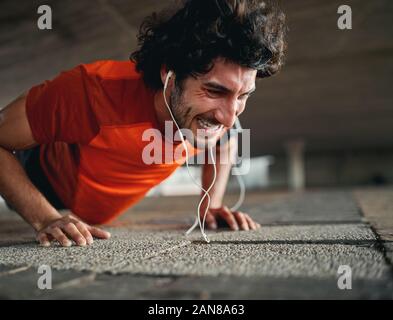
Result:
{"points": [[61, 109]]}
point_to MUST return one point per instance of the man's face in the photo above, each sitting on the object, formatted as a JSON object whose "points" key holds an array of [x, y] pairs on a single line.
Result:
{"points": [[209, 104]]}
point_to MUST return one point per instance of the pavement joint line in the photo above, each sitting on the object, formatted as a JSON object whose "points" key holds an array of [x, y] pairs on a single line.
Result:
{"points": [[367, 243], [166, 250], [379, 242], [381, 247], [77, 282], [124, 264], [14, 271], [311, 223], [19, 243]]}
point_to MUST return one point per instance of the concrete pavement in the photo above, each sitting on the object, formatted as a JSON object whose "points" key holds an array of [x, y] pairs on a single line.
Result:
{"points": [[304, 239]]}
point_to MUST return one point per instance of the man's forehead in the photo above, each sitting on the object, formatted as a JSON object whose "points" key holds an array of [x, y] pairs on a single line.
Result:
{"points": [[231, 76]]}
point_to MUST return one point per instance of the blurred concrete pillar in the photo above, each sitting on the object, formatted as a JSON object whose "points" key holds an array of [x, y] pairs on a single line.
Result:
{"points": [[296, 167]]}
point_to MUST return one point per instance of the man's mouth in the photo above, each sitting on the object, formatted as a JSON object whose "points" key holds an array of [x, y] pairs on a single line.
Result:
{"points": [[208, 126]]}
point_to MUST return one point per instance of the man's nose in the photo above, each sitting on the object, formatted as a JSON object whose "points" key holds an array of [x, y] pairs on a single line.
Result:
{"points": [[226, 114]]}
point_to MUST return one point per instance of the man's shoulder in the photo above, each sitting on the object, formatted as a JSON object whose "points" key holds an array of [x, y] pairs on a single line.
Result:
{"points": [[112, 69], [117, 92]]}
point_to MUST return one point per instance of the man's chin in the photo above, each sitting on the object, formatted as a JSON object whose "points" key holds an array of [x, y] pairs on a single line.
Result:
{"points": [[201, 140], [204, 142]]}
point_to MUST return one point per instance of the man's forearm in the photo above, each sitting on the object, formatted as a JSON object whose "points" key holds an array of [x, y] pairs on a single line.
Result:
{"points": [[223, 167], [18, 190]]}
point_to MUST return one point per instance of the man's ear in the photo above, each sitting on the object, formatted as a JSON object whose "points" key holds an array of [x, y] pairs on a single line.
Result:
{"points": [[163, 73]]}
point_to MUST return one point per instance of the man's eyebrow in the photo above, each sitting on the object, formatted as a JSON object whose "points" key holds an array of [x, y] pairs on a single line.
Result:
{"points": [[220, 87]]}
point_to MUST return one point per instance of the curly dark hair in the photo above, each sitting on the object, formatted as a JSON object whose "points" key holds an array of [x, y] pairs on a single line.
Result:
{"points": [[250, 33]]}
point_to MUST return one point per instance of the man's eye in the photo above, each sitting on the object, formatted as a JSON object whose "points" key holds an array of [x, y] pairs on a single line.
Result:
{"points": [[213, 92], [245, 96]]}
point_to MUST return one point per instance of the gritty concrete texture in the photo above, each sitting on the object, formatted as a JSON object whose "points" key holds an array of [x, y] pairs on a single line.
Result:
{"points": [[377, 207], [297, 255], [271, 251], [303, 208]]}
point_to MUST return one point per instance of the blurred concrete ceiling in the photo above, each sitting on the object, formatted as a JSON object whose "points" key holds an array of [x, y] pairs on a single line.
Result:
{"points": [[335, 91]]}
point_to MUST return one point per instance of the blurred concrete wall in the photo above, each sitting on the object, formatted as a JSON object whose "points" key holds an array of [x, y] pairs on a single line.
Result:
{"points": [[334, 92], [338, 169]]}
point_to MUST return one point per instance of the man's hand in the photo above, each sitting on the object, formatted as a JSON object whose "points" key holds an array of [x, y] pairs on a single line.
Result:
{"points": [[235, 220], [69, 227]]}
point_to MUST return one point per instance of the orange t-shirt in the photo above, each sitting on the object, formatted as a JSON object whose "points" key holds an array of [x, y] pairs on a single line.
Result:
{"points": [[89, 122]]}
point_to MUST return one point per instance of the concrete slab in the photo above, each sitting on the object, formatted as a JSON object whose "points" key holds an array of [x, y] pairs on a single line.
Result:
{"points": [[233, 287], [224, 287], [276, 251], [280, 253], [307, 207], [305, 237], [377, 207], [17, 283], [103, 256], [267, 208]]}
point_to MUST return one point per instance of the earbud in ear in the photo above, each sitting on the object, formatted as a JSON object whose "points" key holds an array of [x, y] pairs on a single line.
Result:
{"points": [[170, 73]]}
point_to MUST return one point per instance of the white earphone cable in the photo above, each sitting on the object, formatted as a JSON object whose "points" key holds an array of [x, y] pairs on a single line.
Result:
{"points": [[238, 176], [242, 195], [206, 192]]}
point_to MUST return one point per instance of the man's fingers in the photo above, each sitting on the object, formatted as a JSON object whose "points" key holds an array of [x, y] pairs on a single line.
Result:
{"points": [[43, 239], [59, 236], [211, 222], [241, 220], [72, 231], [99, 233], [68, 229], [253, 225], [84, 231], [227, 215]]}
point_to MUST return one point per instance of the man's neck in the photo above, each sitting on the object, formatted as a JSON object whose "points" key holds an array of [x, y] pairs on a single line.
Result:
{"points": [[162, 115], [161, 110]]}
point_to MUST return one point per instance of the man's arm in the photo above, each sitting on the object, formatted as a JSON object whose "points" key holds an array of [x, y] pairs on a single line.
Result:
{"points": [[19, 191], [236, 220]]}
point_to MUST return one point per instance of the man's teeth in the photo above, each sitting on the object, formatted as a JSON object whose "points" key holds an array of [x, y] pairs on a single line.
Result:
{"points": [[207, 125]]}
